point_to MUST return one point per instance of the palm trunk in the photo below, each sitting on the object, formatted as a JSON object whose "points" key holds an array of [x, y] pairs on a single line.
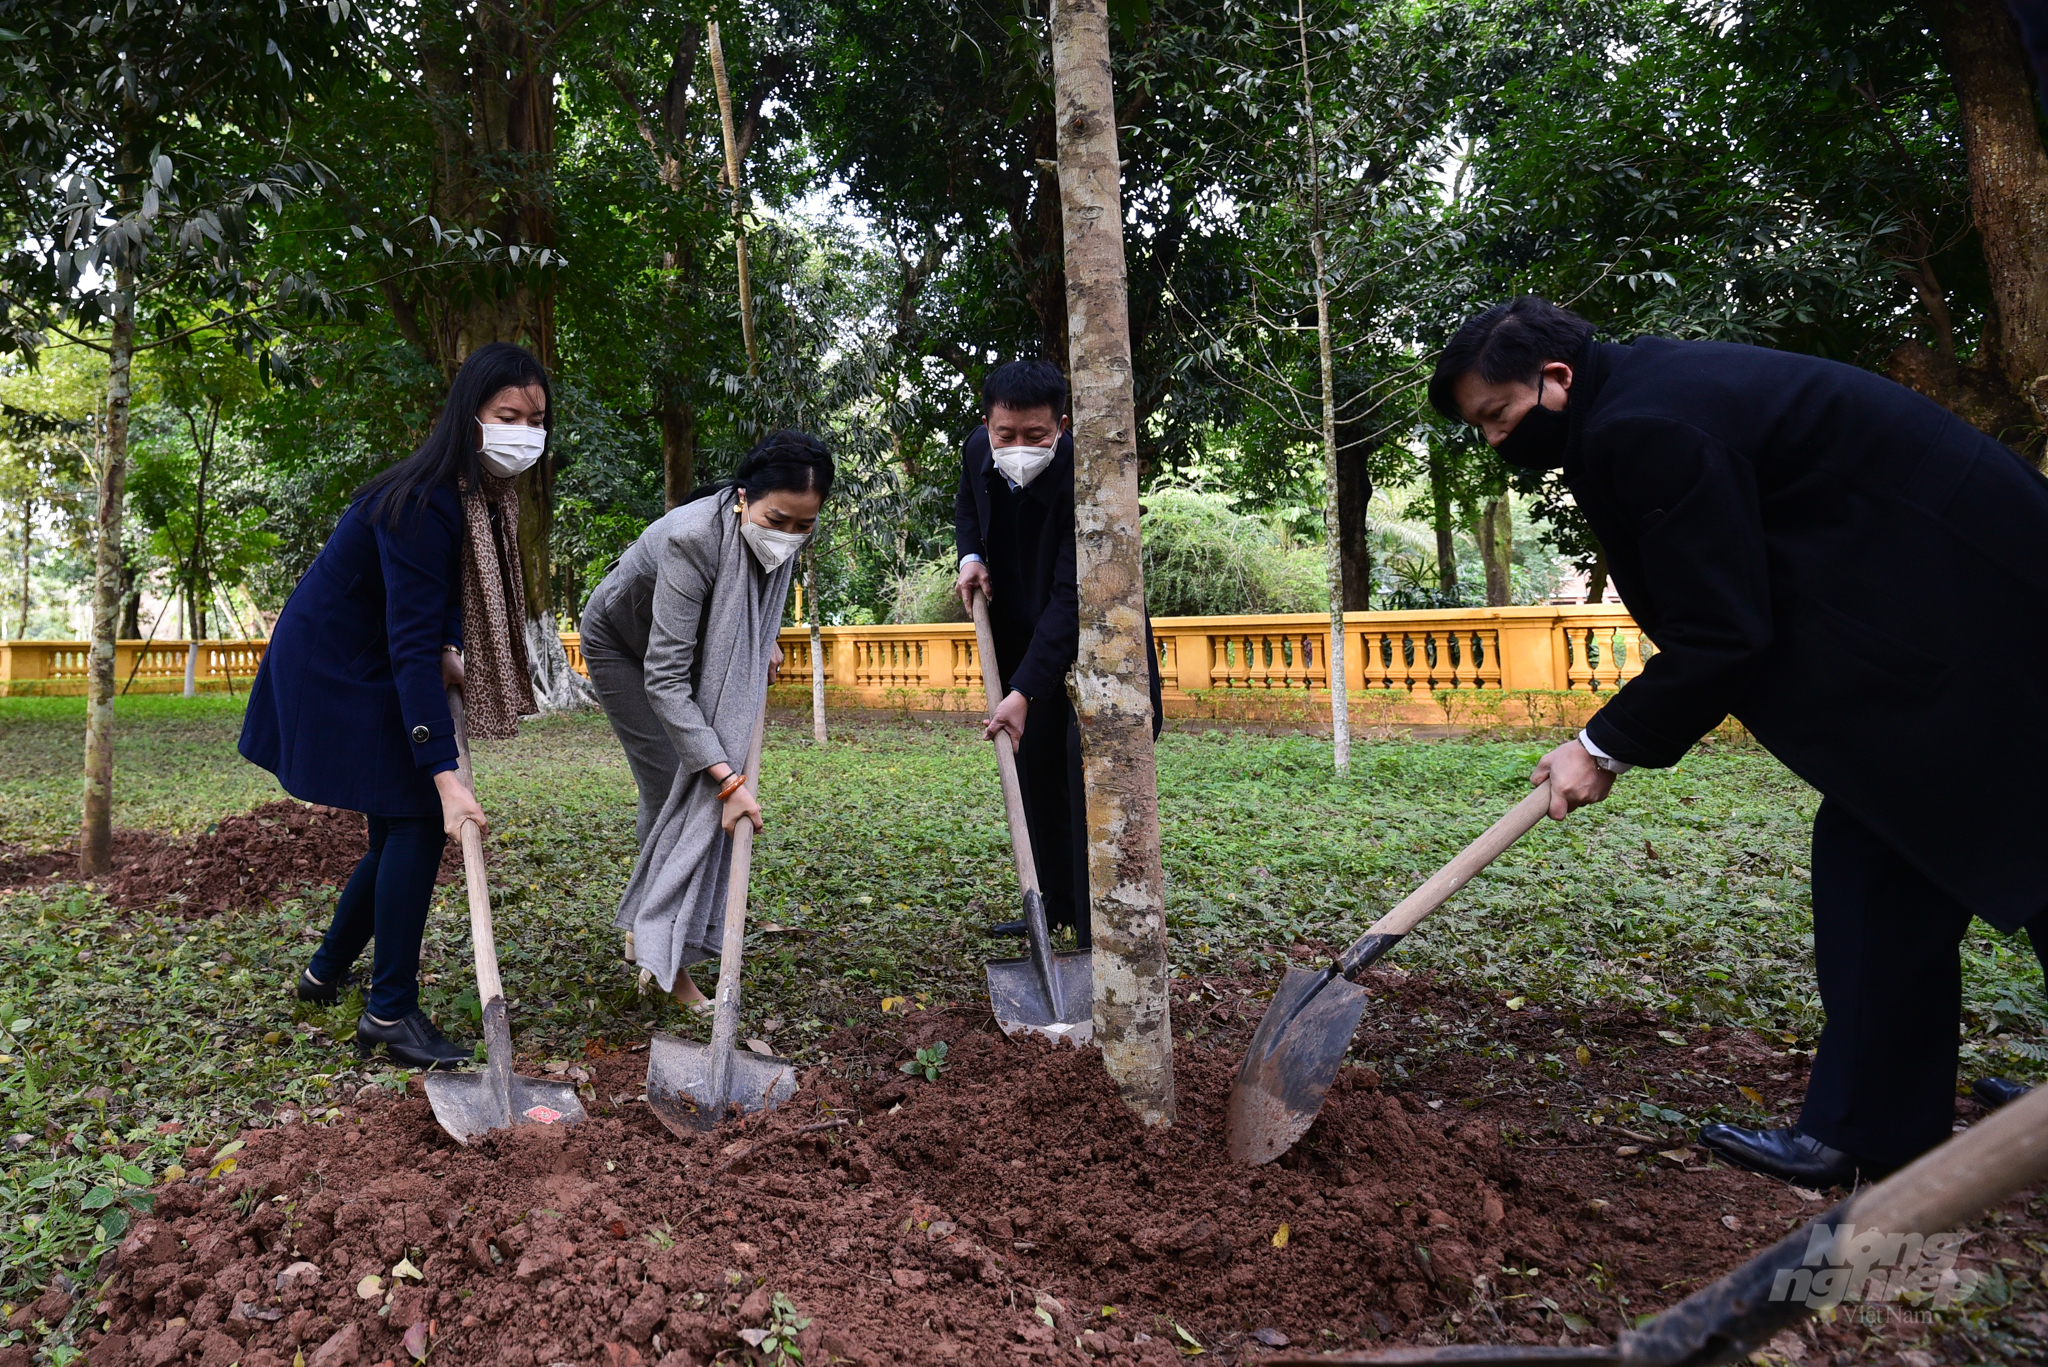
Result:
{"points": [[817, 650], [1333, 520], [739, 204], [28, 516], [1110, 679], [96, 823]]}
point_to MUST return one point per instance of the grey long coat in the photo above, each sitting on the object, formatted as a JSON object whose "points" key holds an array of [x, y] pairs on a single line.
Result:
{"points": [[709, 626]]}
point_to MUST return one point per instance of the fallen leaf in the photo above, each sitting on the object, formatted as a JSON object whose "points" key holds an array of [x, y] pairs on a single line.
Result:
{"points": [[1678, 1156], [1627, 1151], [1753, 1094], [222, 1168], [174, 1173], [416, 1341], [1280, 1235], [370, 1287], [1271, 1338], [754, 1337], [299, 1358], [406, 1269], [759, 1046], [1194, 1347], [894, 1003], [1583, 1055], [1672, 1035], [1729, 1221], [229, 1150], [1517, 1003]]}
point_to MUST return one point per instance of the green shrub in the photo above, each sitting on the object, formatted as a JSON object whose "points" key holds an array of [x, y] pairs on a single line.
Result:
{"points": [[926, 594], [1202, 559]]}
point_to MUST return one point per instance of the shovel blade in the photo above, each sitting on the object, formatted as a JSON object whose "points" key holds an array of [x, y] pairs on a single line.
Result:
{"points": [[1017, 996], [679, 1084], [469, 1107], [1293, 1059]]}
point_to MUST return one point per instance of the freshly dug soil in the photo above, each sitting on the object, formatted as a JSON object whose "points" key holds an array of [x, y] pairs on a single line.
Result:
{"points": [[261, 855], [993, 1216]]}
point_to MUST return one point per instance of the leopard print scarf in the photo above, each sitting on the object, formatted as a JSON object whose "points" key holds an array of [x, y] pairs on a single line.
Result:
{"points": [[498, 683]]}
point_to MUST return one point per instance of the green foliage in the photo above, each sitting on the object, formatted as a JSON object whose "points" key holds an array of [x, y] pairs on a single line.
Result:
{"points": [[927, 1064], [1202, 558], [925, 594], [775, 1341]]}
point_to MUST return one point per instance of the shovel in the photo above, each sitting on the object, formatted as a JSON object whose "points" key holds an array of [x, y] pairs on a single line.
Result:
{"points": [[1299, 1045], [691, 1085], [471, 1105], [1727, 1320], [1046, 993]]}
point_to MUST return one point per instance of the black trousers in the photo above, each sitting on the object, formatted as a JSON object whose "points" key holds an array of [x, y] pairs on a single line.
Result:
{"points": [[1887, 949], [1055, 811], [386, 899]]}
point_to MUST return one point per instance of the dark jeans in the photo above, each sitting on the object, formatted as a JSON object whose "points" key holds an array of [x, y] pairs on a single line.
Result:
{"points": [[386, 899]]}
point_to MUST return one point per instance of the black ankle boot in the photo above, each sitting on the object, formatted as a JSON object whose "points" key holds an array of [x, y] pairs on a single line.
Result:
{"points": [[412, 1040], [321, 994]]}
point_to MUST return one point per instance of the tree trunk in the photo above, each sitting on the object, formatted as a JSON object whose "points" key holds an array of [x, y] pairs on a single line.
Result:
{"points": [[2008, 204], [1110, 683], [1596, 579], [1496, 547], [96, 823], [1446, 544], [1333, 480], [131, 603], [817, 650], [28, 518], [678, 450]]}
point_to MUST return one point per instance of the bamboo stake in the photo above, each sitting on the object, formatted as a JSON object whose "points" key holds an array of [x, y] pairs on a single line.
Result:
{"points": [[739, 205]]}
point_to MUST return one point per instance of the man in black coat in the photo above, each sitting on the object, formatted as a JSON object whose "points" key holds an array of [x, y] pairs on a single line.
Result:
{"points": [[1013, 525], [1846, 568]]}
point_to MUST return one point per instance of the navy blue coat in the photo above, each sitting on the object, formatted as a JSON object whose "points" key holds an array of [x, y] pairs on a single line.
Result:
{"points": [[1849, 569], [348, 709]]}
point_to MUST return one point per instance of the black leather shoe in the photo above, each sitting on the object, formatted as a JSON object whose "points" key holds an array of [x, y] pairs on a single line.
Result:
{"points": [[1015, 928], [1786, 1155], [1993, 1092], [412, 1040], [321, 994]]}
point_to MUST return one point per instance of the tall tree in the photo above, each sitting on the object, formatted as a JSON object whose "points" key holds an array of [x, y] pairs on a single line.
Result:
{"points": [[136, 157], [1109, 682]]}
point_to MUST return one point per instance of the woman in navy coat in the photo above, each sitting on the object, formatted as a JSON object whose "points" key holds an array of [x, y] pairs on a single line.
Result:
{"points": [[350, 708]]}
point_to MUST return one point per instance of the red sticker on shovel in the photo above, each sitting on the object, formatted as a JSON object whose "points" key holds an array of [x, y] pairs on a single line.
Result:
{"points": [[543, 1115]]}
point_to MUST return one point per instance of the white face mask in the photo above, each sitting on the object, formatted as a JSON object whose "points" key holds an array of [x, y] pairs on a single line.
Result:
{"points": [[1022, 463], [771, 547], [511, 448]]}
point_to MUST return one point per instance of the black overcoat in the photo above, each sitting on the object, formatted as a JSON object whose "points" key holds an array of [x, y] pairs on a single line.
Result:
{"points": [[1854, 573], [1038, 634]]}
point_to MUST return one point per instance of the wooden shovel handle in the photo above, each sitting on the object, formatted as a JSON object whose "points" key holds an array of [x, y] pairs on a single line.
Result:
{"points": [[1417, 905], [1006, 755], [1988, 1162], [725, 1016], [481, 933]]}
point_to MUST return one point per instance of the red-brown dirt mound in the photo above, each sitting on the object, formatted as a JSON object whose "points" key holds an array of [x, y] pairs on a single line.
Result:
{"points": [[933, 1222], [261, 855]]}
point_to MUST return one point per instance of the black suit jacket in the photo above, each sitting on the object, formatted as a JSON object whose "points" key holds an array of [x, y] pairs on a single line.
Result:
{"points": [[1850, 570], [1042, 634]]}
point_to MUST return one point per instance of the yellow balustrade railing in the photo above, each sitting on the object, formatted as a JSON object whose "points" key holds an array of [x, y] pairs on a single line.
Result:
{"points": [[60, 667], [1468, 666], [1548, 665]]}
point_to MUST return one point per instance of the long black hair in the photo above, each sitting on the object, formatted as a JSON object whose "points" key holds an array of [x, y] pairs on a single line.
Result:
{"points": [[789, 460], [450, 450]]}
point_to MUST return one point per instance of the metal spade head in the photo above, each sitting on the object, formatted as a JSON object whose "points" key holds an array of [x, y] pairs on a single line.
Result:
{"points": [[682, 1089], [1291, 1062], [1047, 993], [471, 1105], [1016, 993]]}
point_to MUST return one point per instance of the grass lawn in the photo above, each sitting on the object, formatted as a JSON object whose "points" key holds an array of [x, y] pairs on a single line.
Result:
{"points": [[1687, 893]]}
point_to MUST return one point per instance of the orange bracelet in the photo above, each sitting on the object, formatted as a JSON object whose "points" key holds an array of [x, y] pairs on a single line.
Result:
{"points": [[731, 785]]}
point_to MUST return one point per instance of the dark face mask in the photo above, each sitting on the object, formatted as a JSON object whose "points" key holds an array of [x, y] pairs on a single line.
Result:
{"points": [[1537, 441]]}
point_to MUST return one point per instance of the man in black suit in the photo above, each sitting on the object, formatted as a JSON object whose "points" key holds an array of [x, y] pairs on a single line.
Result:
{"points": [[1843, 566], [1013, 524]]}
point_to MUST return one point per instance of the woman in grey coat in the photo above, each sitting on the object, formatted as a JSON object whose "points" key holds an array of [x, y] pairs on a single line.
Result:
{"points": [[679, 640]]}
